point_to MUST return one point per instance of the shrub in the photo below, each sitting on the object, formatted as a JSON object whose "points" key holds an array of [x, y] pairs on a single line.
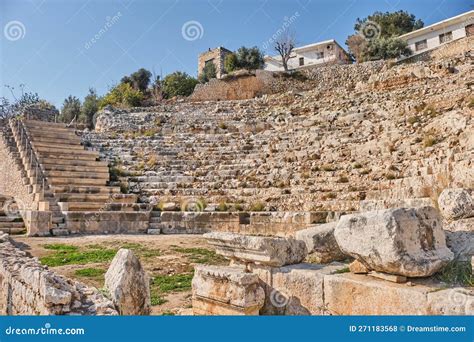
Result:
{"points": [[90, 106], [471, 104], [231, 63], [429, 141], [122, 95], [139, 80], [250, 58], [208, 73], [178, 84], [71, 109], [222, 206], [412, 120], [257, 206], [343, 179]]}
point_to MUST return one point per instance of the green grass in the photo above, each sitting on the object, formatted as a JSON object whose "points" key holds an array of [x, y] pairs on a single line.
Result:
{"points": [[140, 250], [201, 255], [60, 247], [161, 285], [342, 270], [67, 255], [457, 273], [89, 272]]}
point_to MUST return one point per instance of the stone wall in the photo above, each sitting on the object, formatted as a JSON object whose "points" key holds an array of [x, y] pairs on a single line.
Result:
{"points": [[28, 288], [234, 87], [11, 180], [217, 55]]}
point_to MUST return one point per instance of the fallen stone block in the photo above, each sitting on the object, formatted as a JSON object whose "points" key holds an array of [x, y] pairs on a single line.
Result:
{"points": [[407, 242], [354, 294], [226, 290], [321, 243], [456, 203], [128, 284], [270, 251], [294, 289], [461, 243], [389, 277]]}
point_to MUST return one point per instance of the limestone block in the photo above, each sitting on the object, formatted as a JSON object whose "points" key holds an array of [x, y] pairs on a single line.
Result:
{"points": [[354, 294], [455, 301], [357, 267], [128, 284], [408, 242], [321, 243], [456, 203], [461, 243], [226, 290], [294, 289], [271, 251]]}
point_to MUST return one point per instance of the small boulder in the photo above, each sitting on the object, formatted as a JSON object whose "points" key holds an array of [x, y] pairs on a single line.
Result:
{"points": [[321, 243], [404, 241], [128, 284], [456, 203], [263, 250]]}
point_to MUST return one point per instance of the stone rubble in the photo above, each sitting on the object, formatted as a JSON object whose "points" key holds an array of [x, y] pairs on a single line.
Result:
{"points": [[405, 241]]}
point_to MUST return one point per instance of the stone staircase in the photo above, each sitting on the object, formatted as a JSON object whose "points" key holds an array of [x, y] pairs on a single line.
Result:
{"points": [[10, 219], [72, 183]]}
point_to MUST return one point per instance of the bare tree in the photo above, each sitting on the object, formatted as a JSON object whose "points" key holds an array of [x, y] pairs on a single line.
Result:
{"points": [[285, 45]]}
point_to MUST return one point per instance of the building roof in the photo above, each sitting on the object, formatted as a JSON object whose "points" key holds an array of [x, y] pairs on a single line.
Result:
{"points": [[463, 17], [308, 47]]}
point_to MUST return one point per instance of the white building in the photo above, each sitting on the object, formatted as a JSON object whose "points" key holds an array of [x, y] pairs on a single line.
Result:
{"points": [[310, 55], [431, 37]]}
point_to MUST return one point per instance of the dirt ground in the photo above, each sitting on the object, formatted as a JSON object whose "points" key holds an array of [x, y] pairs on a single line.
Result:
{"points": [[169, 259]]}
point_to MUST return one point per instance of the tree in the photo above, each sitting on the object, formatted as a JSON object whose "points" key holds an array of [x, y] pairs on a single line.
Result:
{"points": [[90, 106], [385, 48], [139, 80], [8, 109], [357, 46], [285, 45], [209, 71], [122, 95], [391, 24], [178, 84], [249, 58], [157, 89], [231, 63], [376, 35], [71, 109]]}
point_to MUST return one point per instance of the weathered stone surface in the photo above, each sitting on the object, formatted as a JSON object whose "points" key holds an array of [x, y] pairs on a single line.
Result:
{"points": [[294, 289], [408, 242], [456, 203], [28, 288], [271, 251], [455, 301], [226, 290], [321, 243], [357, 267], [353, 294], [128, 284], [461, 243]]}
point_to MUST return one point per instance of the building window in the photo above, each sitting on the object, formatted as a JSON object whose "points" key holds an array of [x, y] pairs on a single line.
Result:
{"points": [[470, 30], [421, 45], [445, 37], [319, 55], [301, 61], [209, 62]]}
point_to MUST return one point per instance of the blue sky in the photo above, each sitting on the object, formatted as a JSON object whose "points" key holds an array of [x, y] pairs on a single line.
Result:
{"points": [[49, 45]]}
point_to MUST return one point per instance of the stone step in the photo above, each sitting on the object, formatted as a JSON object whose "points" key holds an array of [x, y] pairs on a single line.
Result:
{"points": [[70, 181], [57, 141], [74, 168], [48, 162], [57, 146], [117, 197], [44, 123], [78, 174], [72, 154], [101, 206], [57, 189], [13, 231], [34, 132], [12, 225]]}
